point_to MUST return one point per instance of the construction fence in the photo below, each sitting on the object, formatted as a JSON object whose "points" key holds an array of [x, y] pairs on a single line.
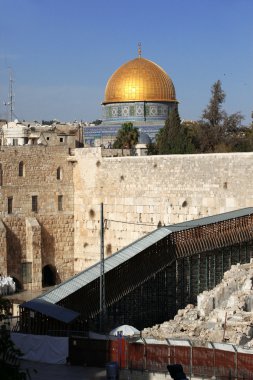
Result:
{"points": [[220, 361]]}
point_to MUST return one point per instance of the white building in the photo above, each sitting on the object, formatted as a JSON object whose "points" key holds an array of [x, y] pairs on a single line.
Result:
{"points": [[14, 133]]}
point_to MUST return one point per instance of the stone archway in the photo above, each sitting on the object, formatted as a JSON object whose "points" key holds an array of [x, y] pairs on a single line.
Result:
{"points": [[18, 284], [49, 276]]}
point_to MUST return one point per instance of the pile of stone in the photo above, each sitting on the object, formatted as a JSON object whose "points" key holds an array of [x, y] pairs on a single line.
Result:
{"points": [[223, 314]]}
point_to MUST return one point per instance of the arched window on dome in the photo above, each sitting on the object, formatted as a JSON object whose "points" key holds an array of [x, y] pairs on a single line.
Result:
{"points": [[21, 169], [59, 173]]}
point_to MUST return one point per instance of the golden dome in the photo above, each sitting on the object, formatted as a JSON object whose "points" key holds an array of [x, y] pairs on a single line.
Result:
{"points": [[139, 80]]}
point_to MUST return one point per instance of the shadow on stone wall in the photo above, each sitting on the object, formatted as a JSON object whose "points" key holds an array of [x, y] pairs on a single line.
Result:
{"points": [[47, 247], [15, 251]]}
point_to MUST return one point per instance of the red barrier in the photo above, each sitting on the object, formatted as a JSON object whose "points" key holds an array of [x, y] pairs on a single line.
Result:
{"points": [[122, 359], [196, 361], [118, 351], [202, 361], [136, 356], [157, 357], [113, 350], [244, 365], [224, 363], [182, 355]]}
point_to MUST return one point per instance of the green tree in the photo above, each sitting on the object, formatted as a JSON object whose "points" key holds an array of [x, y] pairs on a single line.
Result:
{"points": [[218, 132], [96, 122], [152, 149], [174, 138], [232, 123], [47, 122], [243, 141], [211, 129], [214, 113], [127, 137]]}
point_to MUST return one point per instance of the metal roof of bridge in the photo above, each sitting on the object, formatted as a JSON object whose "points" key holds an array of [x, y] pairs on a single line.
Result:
{"points": [[92, 273], [51, 310], [211, 219]]}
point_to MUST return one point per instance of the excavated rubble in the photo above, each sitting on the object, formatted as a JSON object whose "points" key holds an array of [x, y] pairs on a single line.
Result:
{"points": [[223, 314]]}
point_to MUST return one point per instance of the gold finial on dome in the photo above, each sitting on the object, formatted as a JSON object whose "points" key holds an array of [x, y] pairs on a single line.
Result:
{"points": [[139, 49]]}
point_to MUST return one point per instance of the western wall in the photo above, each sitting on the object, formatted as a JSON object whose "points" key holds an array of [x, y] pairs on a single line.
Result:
{"points": [[139, 194]]}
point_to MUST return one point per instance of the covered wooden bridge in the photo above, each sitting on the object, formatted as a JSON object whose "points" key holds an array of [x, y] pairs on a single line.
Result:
{"points": [[149, 280]]}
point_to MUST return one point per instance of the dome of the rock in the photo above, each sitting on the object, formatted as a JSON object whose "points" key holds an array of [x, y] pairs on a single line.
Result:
{"points": [[138, 92], [139, 80]]}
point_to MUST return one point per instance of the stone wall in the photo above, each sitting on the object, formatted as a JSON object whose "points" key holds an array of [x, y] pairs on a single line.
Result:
{"points": [[33, 253], [3, 245], [141, 193], [57, 243], [39, 179], [16, 245], [44, 236]]}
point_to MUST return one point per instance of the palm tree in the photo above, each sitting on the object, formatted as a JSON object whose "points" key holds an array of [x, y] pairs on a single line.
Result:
{"points": [[127, 137]]}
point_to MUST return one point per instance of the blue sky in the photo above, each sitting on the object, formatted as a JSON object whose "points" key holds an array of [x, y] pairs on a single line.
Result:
{"points": [[63, 52]]}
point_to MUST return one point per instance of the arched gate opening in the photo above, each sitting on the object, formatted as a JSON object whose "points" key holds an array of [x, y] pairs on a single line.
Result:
{"points": [[48, 276]]}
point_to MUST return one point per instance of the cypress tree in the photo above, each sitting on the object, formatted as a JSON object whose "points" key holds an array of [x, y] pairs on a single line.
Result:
{"points": [[174, 137]]}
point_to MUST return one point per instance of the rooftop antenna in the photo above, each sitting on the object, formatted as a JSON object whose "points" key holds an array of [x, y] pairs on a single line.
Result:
{"points": [[139, 49], [10, 103]]}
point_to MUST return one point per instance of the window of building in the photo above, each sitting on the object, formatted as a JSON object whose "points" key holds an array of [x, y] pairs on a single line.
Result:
{"points": [[10, 203], [1, 175], [27, 272], [15, 142], [61, 139], [34, 203], [47, 138], [60, 202], [21, 171], [59, 173]]}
